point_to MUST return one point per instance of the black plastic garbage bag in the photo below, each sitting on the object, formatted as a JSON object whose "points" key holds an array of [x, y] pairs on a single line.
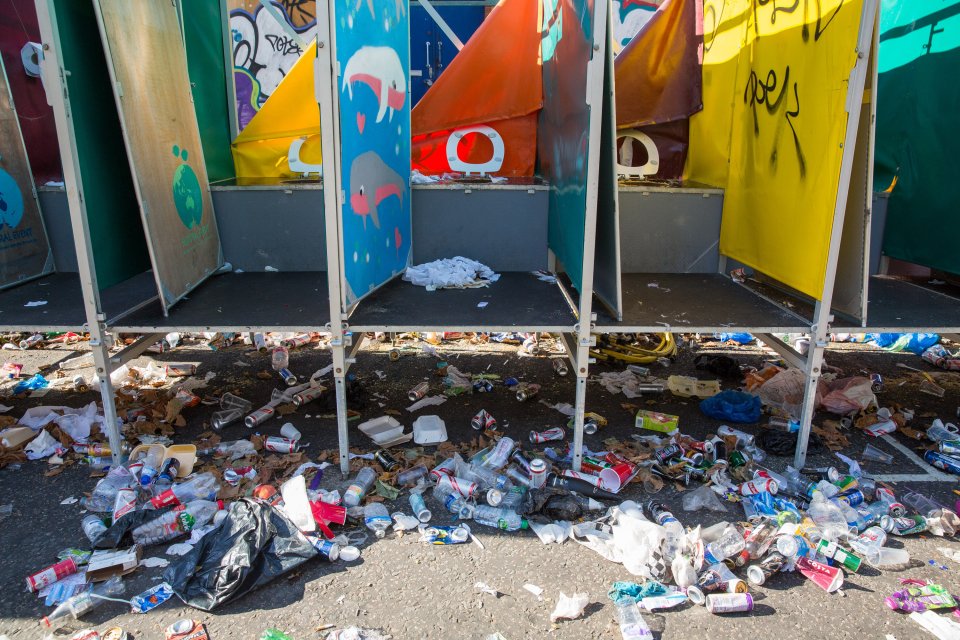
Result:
{"points": [[254, 544], [117, 533], [552, 504]]}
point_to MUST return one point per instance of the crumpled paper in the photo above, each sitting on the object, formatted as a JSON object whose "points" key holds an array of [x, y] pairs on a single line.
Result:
{"points": [[450, 273], [43, 446]]}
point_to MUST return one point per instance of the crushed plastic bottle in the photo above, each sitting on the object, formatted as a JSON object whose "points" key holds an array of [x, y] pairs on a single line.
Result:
{"points": [[200, 487], [356, 492], [82, 603], [499, 518], [377, 518], [105, 493], [176, 522], [828, 517]]}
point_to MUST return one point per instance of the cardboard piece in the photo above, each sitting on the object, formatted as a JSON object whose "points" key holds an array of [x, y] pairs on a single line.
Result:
{"points": [[105, 564], [16, 436]]}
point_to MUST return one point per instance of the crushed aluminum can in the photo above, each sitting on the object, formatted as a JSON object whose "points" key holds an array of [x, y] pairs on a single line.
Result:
{"points": [[233, 476], [281, 445], [457, 534], [483, 421], [556, 433], [186, 629]]}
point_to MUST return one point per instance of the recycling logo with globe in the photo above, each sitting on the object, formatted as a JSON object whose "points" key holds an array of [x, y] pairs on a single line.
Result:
{"points": [[187, 195]]}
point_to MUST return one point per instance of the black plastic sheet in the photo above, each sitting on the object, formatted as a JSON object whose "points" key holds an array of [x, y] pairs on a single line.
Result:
{"points": [[254, 544]]}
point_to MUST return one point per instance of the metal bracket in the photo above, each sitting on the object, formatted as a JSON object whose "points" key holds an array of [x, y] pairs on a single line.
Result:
{"points": [[788, 353], [132, 351]]}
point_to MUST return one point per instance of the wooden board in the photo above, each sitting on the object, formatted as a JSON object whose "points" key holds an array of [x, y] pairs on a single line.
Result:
{"points": [[148, 65], [24, 249]]}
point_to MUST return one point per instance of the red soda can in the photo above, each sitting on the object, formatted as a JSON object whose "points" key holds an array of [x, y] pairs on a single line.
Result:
{"points": [[759, 485], [281, 445], [461, 486], [445, 468], [556, 433], [51, 574]]}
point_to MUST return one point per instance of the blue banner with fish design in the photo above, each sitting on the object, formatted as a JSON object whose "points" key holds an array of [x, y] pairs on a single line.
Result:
{"points": [[373, 49]]}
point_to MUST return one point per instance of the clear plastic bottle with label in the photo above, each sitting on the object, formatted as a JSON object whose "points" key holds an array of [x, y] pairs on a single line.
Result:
{"points": [[499, 518], [632, 624], [361, 485]]}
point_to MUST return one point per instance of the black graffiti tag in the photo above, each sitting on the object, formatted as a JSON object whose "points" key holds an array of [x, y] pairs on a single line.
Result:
{"points": [[283, 44], [764, 92]]}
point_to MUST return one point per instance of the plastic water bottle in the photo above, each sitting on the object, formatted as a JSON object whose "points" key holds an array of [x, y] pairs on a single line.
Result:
{"points": [[82, 603], [105, 493], [410, 476], [499, 455], [200, 487], [729, 544], [280, 358], [632, 624], [509, 499], [377, 518], [828, 517], [499, 518], [151, 467], [356, 492], [176, 522], [487, 478], [453, 502], [869, 543]]}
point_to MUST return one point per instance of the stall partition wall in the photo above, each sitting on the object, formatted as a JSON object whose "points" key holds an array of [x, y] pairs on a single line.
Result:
{"points": [[147, 63], [24, 248]]}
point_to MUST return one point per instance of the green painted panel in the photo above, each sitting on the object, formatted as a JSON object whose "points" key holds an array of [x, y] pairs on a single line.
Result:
{"points": [[113, 215], [203, 37], [917, 136]]}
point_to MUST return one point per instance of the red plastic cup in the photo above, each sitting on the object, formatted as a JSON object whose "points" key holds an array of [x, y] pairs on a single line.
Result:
{"points": [[826, 577]]}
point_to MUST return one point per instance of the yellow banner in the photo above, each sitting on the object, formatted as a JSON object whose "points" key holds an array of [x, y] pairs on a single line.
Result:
{"points": [[724, 35], [283, 139], [786, 145]]}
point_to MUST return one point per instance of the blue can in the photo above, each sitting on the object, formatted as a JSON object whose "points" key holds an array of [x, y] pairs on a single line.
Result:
{"points": [[852, 498], [483, 386], [942, 461]]}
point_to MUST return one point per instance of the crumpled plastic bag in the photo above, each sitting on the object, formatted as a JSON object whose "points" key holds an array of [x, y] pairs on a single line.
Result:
{"points": [[356, 633], [552, 504], [848, 395], [784, 391], [253, 545], [31, 384], [732, 406], [43, 446], [915, 343], [552, 532], [570, 607], [624, 536], [702, 498]]}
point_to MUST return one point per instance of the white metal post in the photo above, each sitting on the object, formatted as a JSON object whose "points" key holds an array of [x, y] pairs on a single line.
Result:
{"points": [[327, 94], [54, 80]]}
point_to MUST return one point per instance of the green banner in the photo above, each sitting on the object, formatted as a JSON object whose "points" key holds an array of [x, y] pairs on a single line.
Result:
{"points": [[917, 136]]}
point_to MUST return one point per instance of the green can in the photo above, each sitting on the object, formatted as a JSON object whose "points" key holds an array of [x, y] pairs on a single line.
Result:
{"points": [[833, 551], [737, 459]]}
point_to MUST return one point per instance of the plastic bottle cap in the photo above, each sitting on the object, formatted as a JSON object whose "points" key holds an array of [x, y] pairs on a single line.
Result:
{"points": [[349, 553]]}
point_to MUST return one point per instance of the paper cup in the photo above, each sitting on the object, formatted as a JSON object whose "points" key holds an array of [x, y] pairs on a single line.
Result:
{"points": [[826, 577]]}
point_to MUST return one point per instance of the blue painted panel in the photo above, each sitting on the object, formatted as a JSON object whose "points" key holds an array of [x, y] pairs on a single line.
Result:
{"points": [[373, 49], [423, 31]]}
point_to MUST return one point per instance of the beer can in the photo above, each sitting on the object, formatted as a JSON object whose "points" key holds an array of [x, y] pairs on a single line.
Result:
{"points": [[550, 435], [590, 427], [950, 447], [876, 382], [729, 602], [298, 340], [737, 459], [281, 445], [757, 574], [464, 487], [560, 366], [259, 416], [385, 460], [169, 469], [418, 392], [260, 342], [668, 453], [180, 369], [852, 498], [526, 390], [80, 384], [737, 586], [519, 477], [719, 446], [587, 477], [188, 398], [51, 574], [754, 487], [483, 421], [483, 386], [521, 460], [445, 468], [288, 377], [696, 595], [308, 395], [538, 473], [693, 458], [942, 461], [833, 551]]}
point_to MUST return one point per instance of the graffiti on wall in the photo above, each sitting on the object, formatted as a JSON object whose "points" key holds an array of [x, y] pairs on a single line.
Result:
{"points": [[264, 50], [629, 16]]}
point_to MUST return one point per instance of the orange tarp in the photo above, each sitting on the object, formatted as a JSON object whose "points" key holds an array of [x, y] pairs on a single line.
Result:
{"points": [[494, 81]]}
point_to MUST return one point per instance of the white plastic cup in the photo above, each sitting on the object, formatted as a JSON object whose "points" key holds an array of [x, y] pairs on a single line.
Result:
{"points": [[290, 432], [871, 453]]}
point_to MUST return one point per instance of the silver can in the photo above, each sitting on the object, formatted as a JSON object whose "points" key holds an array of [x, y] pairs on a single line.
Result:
{"points": [[538, 473]]}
